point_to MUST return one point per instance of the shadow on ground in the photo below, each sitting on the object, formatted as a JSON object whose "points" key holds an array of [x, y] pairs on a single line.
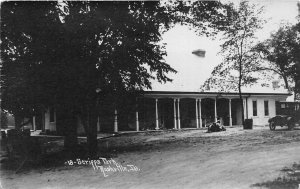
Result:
{"points": [[289, 180], [56, 158]]}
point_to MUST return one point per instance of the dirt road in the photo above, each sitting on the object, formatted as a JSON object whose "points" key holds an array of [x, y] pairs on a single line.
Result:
{"points": [[187, 159]]}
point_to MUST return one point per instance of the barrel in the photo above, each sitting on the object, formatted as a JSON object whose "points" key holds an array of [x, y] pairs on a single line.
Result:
{"points": [[248, 124]]}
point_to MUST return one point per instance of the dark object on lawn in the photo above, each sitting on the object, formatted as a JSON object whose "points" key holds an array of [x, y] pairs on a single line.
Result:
{"points": [[248, 124], [216, 127]]}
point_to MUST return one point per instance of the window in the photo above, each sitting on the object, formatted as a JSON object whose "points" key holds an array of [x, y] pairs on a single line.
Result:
{"points": [[52, 116], [266, 105], [282, 106], [254, 104]]}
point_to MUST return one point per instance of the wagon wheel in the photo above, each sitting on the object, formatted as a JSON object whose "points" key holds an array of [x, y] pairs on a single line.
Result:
{"points": [[272, 126]]}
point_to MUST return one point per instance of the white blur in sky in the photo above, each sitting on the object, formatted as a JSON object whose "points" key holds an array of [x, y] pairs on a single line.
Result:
{"points": [[194, 70]]}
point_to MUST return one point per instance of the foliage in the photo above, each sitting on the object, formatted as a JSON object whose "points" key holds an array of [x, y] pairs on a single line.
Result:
{"points": [[238, 61], [50, 49], [81, 52], [22, 81], [3, 121], [280, 54], [75, 55], [296, 59], [204, 17]]}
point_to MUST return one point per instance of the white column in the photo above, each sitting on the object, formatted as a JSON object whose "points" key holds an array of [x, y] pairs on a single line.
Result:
{"points": [[230, 117], [200, 116], [178, 110], [116, 121], [216, 116], [175, 125], [47, 119], [197, 123], [156, 115], [33, 123], [137, 120], [245, 108]]}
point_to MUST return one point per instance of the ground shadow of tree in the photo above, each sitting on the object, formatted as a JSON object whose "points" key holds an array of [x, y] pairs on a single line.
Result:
{"points": [[289, 180], [56, 157]]}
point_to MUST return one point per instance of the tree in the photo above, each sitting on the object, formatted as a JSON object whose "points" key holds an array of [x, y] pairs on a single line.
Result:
{"points": [[238, 36], [203, 17], [60, 57], [22, 26], [72, 55], [279, 55], [296, 59]]}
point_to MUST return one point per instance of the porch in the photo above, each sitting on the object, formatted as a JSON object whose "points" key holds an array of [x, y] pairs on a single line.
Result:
{"points": [[160, 111]]}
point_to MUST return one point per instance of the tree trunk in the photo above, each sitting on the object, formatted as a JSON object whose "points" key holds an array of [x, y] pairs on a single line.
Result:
{"points": [[242, 105], [286, 83], [295, 90], [18, 120], [240, 93], [70, 131], [92, 131]]}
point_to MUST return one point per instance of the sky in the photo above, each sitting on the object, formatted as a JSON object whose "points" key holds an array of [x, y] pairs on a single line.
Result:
{"points": [[194, 70]]}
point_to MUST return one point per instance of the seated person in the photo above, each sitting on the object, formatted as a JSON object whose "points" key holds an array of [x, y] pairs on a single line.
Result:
{"points": [[216, 127]]}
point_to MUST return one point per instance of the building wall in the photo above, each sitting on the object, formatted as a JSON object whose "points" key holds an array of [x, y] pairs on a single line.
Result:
{"points": [[261, 118]]}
